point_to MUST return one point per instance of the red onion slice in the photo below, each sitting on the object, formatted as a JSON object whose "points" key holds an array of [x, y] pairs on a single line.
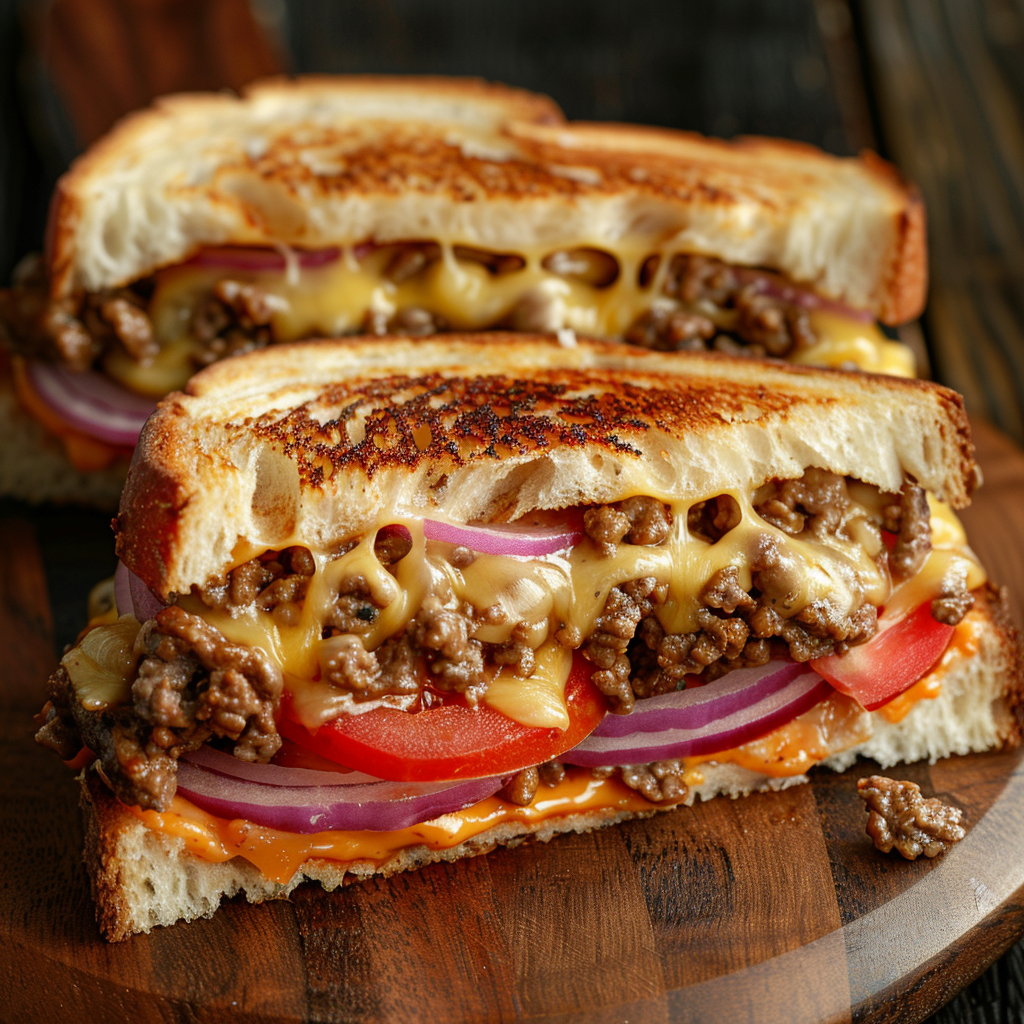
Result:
{"points": [[703, 719], [256, 259], [801, 296], [91, 403], [378, 806], [132, 596], [520, 541], [274, 774]]}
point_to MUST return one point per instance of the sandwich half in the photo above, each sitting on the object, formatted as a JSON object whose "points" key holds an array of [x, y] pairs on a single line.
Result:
{"points": [[210, 225], [369, 618]]}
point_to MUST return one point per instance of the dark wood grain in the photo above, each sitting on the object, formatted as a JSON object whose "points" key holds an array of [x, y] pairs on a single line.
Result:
{"points": [[949, 77], [773, 908]]}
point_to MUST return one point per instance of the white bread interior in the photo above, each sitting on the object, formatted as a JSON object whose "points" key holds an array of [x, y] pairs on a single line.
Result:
{"points": [[318, 162], [141, 879], [396, 426]]}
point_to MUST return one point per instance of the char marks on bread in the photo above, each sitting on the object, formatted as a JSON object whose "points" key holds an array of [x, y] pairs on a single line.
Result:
{"points": [[320, 162], [310, 443]]}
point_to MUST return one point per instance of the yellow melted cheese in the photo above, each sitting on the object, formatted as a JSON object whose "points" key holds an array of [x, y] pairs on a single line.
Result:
{"points": [[539, 596], [336, 298]]}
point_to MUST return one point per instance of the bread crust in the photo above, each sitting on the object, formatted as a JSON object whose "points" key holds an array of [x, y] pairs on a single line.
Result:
{"points": [[141, 879], [316, 162], [310, 443]]}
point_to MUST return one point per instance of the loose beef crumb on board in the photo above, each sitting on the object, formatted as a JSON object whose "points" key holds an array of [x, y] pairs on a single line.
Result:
{"points": [[899, 817]]}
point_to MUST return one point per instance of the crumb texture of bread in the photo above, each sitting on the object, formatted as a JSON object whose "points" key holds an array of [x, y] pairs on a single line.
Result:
{"points": [[320, 162], [34, 468], [313, 443]]}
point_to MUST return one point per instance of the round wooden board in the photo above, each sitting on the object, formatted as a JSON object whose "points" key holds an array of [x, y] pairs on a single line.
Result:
{"points": [[773, 908]]}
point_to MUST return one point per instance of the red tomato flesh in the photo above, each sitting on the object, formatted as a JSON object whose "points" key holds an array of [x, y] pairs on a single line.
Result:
{"points": [[452, 741], [899, 654]]}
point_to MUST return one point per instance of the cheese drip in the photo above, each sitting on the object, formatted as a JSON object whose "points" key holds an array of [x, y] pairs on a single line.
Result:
{"points": [[569, 590], [335, 299]]}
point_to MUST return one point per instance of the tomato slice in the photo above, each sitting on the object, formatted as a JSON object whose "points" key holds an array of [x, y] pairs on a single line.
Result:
{"points": [[452, 741], [893, 660]]}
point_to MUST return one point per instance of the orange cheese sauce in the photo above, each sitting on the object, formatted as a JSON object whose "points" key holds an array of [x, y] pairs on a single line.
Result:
{"points": [[833, 725], [87, 454], [280, 854]]}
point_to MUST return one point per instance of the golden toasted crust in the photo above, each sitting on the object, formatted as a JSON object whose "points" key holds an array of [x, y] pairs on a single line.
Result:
{"points": [[310, 443], [335, 161]]}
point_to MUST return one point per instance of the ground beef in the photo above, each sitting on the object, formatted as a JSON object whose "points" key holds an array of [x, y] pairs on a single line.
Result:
{"points": [[954, 601], [712, 519], [667, 330], [736, 625], [815, 503], [455, 660], [551, 772], [195, 682], [235, 318], [636, 520], [192, 686], [72, 332], [898, 816], [413, 321], [353, 610], [777, 326], [277, 581], [522, 787], [912, 522], [763, 322], [659, 781]]}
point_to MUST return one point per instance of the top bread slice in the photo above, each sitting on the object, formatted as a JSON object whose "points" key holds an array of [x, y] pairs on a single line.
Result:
{"points": [[312, 443], [320, 162]]}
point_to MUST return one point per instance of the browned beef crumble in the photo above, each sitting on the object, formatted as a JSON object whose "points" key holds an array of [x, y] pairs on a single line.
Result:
{"points": [[954, 601], [234, 319], [522, 787], [898, 816], [636, 520], [237, 316], [658, 781], [72, 332], [913, 531], [192, 686], [764, 324], [635, 658]]}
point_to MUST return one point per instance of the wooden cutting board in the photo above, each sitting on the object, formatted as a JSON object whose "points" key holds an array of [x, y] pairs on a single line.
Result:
{"points": [[774, 908]]}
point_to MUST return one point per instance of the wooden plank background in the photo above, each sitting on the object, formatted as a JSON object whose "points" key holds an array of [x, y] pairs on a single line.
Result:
{"points": [[937, 85]]}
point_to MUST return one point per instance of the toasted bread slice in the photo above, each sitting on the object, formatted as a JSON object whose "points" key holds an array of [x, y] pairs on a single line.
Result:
{"points": [[321, 162], [141, 878], [310, 443]]}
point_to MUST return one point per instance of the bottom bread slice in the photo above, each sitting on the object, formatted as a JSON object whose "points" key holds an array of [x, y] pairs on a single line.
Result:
{"points": [[142, 878]]}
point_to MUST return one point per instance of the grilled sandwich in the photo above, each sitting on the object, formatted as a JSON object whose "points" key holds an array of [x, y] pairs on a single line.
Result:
{"points": [[383, 602], [210, 225]]}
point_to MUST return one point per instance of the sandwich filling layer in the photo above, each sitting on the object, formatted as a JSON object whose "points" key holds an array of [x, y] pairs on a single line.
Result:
{"points": [[153, 335], [787, 752], [655, 596]]}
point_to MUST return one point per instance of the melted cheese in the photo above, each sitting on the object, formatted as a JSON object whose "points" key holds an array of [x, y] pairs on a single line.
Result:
{"points": [[280, 854], [539, 596], [337, 298], [845, 340], [826, 729]]}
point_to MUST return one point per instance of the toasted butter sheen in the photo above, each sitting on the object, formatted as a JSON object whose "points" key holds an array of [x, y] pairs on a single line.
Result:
{"points": [[336, 298]]}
